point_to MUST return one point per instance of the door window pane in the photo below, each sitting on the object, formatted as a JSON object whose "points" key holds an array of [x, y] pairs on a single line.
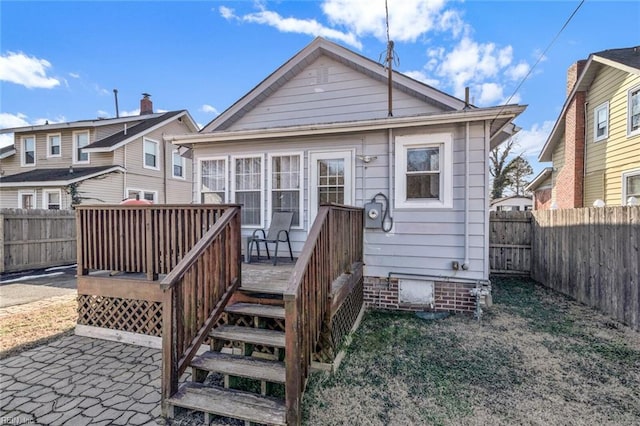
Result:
{"points": [[331, 181]]}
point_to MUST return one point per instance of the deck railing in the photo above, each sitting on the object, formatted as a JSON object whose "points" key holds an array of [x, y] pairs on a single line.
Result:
{"points": [[195, 294], [149, 239], [333, 245]]}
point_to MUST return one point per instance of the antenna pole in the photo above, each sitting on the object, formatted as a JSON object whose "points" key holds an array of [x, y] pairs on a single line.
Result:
{"points": [[115, 94], [390, 76]]}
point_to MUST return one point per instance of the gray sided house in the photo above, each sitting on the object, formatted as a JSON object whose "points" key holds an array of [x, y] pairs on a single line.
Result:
{"points": [[317, 130], [55, 166]]}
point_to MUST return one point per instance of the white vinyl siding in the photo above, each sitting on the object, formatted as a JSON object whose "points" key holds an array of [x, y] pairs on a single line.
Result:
{"points": [[54, 145], [285, 185], [80, 139], [52, 199], [424, 171], [247, 189], [601, 122], [633, 120], [151, 154], [213, 180], [28, 154]]}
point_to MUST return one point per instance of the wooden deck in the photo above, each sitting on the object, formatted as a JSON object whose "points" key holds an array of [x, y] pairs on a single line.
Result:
{"points": [[264, 277]]}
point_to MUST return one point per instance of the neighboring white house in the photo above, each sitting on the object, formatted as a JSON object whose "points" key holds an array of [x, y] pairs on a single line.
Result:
{"points": [[318, 130], [512, 203]]}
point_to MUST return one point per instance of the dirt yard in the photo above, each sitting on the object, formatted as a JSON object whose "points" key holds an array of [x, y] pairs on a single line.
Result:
{"points": [[536, 358]]}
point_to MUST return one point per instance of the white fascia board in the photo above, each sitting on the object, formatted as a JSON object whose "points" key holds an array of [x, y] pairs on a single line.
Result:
{"points": [[7, 154], [451, 117], [51, 183], [618, 65]]}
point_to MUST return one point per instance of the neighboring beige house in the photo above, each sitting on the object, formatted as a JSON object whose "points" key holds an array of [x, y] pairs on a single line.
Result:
{"points": [[54, 166], [318, 130], [595, 141], [511, 203]]}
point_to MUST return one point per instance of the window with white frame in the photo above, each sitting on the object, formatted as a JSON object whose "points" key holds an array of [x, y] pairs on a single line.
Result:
{"points": [[178, 165], [54, 148], [247, 188], [633, 112], [51, 199], [26, 200], [630, 186], [28, 151], [601, 122], [213, 180], [151, 154], [424, 171], [141, 194], [285, 183], [80, 140]]}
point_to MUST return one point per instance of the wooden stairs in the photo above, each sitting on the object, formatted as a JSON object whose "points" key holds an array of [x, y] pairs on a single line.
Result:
{"points": [[242, 376]]}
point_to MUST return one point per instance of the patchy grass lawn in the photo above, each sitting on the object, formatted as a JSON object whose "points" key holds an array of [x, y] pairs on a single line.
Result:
{"points": [[536, 358], [26, 326]]}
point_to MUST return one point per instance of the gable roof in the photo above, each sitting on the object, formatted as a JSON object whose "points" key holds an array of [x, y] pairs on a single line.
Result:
{"points": [[306, 56], [78, 124], [7, 151], [125, 136], [625, 59], [55, 177], [510, 197], [538, 180]]}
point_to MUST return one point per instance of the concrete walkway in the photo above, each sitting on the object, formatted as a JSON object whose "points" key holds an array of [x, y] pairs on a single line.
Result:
{"points": [[81, 381]]}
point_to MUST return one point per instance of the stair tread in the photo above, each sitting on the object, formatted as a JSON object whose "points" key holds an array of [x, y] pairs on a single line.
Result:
{"points": [[230, 403], [254, 309], [241, 366], [258, 336]]}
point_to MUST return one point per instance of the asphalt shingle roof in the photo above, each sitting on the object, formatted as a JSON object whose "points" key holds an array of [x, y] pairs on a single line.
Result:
{"points": [[60, 174], [629, 56], [116, 138]]}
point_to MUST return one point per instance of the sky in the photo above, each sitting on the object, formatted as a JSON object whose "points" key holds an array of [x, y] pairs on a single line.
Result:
{"points": [[60, 61]]}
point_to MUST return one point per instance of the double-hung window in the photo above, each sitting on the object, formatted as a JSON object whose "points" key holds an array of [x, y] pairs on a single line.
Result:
{"points": [[247, 188], [424, 174], [51, 199], [601, 122], [28, 151], [178, 166], [26, 199], [80, 140], [630, 186], [54, 145], [285, 183], [633, 112], [213, 180], [141, 194], [151, 154]]}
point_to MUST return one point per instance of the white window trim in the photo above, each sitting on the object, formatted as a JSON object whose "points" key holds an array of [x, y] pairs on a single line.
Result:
{"points": [[226, 178], [45, 201], [604, 105], [23, 163], [141, 193], [637, 131], [261, 189], [183, 164], [270, 184], [445, 142], [49, 136], [29, 192], [144, 154], [626, 175], [75, 147]]}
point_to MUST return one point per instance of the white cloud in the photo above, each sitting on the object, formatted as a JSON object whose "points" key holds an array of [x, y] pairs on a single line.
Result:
{"points": [[130, 113], [517, 72], [27, 71], [292, 25], [209, 109], [490, 93], [422, 77], [530, 142], [74, 75], [103, 114], [8, 120], [12, 120]]}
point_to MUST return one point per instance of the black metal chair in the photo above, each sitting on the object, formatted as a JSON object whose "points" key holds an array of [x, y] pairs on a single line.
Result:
{"points": [[278, 233]]}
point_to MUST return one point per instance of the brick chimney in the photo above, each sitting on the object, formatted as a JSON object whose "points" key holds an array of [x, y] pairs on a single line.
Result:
{"points": [[569, 186], [146, 106]]}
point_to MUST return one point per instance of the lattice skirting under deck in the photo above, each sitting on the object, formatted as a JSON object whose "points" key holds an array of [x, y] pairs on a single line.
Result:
{"points": [[135, 316]]}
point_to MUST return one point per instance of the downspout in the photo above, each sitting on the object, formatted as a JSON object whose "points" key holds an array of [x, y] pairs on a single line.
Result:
{"points": [[164, 168], [124, 181], [465, 264], [390, 171]]}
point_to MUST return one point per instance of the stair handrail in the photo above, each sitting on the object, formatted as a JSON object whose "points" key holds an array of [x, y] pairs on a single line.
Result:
{"points": [[334, 243], [195, 294]]}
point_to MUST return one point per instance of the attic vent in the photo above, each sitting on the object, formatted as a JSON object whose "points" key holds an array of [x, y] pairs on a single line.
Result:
{"points": [[322, 74]]}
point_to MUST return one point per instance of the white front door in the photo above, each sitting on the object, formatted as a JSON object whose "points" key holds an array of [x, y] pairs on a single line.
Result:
{"points": [[330, 180]]}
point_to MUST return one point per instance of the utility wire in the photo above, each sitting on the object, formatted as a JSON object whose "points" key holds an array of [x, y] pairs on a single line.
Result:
{"points": [[542, 55]]}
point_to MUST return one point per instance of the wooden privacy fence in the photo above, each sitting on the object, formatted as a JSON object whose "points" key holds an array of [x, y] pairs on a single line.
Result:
{"points": [[195, 295], [510, 242], [592, 255], [36, 239], [333, 246]]}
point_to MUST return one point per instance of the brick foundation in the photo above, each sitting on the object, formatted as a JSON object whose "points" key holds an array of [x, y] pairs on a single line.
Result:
{"points": [[448, 296]]}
